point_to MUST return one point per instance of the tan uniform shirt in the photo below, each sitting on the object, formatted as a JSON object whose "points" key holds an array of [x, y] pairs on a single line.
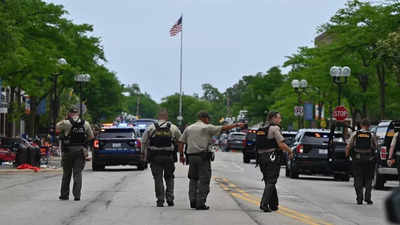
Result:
{"points": [[352, 140], [64, 127], [274, 132], [394, 140], [198, 136], [175, 132], [393, 145]]}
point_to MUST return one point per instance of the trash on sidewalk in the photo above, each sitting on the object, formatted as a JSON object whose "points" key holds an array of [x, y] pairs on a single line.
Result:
{"points": [[28, 166]]}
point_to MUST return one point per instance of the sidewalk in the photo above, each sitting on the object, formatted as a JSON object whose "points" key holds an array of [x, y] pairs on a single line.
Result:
{"points": [[54, 165]]}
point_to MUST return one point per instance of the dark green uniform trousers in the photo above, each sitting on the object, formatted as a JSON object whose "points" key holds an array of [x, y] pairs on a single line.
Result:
{"points": [[163, 166], [199, 179], [72, 164], [270, 170], [363, 175]]}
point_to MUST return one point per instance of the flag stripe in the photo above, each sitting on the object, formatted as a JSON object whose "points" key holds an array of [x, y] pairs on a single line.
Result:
{"points": [[176, 28]]}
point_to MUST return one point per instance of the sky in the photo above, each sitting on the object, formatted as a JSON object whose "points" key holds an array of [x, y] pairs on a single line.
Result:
{"points": [[223, 40]]}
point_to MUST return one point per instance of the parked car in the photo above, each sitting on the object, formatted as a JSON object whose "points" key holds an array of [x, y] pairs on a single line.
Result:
{"points": [[289, 140], [384, 133], [312, 155], [117, 146], [249, 152], [236, 141], [6, 152], [222, 141], [24, 151]]}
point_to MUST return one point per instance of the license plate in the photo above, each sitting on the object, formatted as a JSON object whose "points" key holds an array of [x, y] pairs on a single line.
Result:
{"points": [[323, 151], [116, 145]]}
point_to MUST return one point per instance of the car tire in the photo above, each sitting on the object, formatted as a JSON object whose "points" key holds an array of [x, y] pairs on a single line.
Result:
{"points": [[341, 177], [292, 173], [96, 167], [378, 181], [141, 167], [246, 159], [286, 171]]}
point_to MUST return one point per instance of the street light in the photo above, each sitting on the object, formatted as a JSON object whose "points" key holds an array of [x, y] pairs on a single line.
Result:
{"points": [[80, 78], [299, 87], [60, 62], [337, 73]]}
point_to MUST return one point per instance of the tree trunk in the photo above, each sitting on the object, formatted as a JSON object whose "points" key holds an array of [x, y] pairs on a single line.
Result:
{"points": [[380, 69], [10, 128]]}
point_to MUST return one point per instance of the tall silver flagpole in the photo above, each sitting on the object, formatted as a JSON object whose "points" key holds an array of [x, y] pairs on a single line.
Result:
{"points": [[180, 118]]}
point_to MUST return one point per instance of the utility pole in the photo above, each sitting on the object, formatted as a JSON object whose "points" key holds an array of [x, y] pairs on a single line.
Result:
{"points": [[137, 105]]}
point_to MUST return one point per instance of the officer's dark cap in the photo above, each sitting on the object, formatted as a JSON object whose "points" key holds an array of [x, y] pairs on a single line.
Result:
{"points": [[73, 110], [365, 122], [203, 115]]}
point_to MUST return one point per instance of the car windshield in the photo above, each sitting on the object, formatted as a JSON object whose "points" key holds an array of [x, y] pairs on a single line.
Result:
{"points": [[381, 132], [320, 137], [118, 133], [238, 136]]}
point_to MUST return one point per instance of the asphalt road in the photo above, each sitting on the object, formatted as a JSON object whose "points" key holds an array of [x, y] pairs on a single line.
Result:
{"points": [[124, 195]]}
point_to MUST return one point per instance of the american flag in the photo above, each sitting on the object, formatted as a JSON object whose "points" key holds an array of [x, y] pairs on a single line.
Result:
{"points": [[176, 28]]}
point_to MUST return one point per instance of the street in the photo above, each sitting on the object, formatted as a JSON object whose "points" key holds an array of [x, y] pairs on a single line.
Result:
{"points": [[123, 195]]}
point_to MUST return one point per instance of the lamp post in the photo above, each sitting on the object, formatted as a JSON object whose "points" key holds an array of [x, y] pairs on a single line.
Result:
{"points": [[299, 87], [80, 78], [337, 73], [60, 62]]}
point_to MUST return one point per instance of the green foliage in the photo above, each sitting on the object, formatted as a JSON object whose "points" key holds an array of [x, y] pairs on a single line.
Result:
{"points": [[147, 106], [190, 105]]}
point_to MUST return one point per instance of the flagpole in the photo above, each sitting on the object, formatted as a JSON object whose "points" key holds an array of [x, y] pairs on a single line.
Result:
{"points": [[180, 78]]}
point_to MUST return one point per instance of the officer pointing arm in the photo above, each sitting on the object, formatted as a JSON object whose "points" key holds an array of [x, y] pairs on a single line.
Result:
{"points": [[393, 146], [224, 128]]}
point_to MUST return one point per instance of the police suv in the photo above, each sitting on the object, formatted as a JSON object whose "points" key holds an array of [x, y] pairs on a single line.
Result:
{"points": [[384, 134], [117, 145], [313, 155]]}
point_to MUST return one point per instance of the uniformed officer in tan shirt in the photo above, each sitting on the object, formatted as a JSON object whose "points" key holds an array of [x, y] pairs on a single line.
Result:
{"points": [[73, 154], [162, 157], [394, 153], [392, 158], [198, 138]]}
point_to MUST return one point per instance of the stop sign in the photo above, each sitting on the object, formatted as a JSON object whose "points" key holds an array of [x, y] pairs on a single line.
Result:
{"points": [[340, 113]]}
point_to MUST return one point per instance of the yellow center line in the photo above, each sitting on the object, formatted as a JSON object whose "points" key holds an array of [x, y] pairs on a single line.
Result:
{"points": [[241, 194], [281, 207], [257, 203]]}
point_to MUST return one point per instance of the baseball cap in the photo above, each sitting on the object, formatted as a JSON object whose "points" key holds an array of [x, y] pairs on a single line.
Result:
{"points": [[73, 110], [203, 114]]}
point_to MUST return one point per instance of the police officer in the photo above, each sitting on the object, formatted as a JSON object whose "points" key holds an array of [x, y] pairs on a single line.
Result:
{"points": [[394, 151], [361, 148], [75, 134], [158, 144], [270, 144], [198, 138]]}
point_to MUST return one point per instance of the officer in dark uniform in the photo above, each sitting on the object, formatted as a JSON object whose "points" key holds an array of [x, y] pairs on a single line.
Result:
{"points": [[270, 144], [198, 138], [361, 147], [75, 134], [158, 145]]}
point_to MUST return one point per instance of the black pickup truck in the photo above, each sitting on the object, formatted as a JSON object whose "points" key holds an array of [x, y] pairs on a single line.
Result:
{"points": [[384, 133]]}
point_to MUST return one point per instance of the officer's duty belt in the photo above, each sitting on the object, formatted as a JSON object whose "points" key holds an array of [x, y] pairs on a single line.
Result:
{"points": [[260, 151]]}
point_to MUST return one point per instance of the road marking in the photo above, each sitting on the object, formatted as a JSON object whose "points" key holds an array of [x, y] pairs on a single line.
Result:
{"points": [[236, 192]]}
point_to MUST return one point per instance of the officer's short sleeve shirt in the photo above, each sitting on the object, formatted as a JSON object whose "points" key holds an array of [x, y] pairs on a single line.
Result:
{"points": [[275, 133], [394, 140], [198, 136], [352, 140]]}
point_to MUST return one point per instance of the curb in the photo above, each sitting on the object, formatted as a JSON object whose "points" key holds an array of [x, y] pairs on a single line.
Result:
{"points": [[29, 171]]}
